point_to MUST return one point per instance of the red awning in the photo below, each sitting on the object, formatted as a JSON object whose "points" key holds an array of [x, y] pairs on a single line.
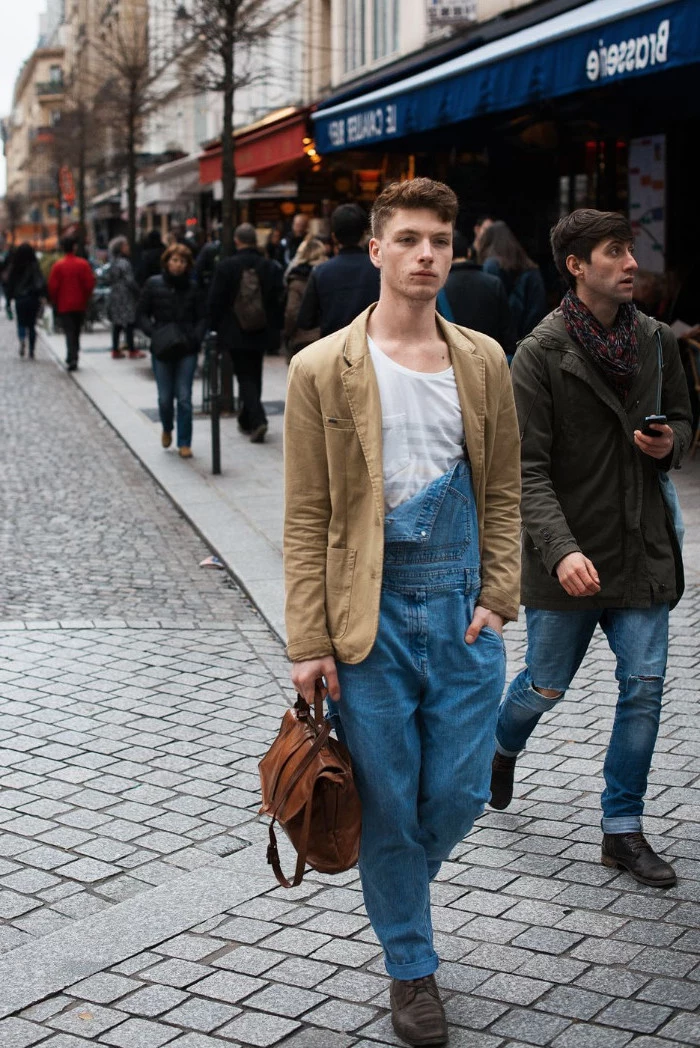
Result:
{"points": [[259, 149]]}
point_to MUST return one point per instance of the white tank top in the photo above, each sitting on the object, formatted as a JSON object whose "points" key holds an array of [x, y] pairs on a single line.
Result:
{"points": [[422, 427]]}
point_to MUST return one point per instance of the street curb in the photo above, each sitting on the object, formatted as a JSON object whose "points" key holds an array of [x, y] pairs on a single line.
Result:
{"points": [[78, 378]]}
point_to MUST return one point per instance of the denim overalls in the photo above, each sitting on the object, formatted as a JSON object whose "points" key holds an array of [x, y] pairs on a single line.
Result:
{"points": [[419, 715]]}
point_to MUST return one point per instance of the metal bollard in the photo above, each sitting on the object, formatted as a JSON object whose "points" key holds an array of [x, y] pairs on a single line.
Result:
{"points": [[213, 358]]}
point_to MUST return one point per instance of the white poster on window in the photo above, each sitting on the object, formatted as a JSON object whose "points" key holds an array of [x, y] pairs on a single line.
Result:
{"points": [[647, 200]]}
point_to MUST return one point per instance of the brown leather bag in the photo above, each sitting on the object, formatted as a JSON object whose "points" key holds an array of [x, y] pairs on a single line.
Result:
{"points": [[308, 788]]}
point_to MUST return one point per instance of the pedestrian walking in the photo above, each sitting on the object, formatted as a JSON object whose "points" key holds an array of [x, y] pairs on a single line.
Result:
{"points": [[341, 288], [149, 259], [245, 309], [71, 283], [503, 256], [291, 242], [274, 249], [476, 299], [5, 265], [599, 546], [168, 313], [401, 549], [311, 253], [27, 288], [123, 297]]}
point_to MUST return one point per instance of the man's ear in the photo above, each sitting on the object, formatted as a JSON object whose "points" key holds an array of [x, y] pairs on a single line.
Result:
{"points": [[573, 264], [375, 252]]}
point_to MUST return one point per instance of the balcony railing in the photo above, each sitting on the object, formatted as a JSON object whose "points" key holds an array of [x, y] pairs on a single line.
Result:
{"points": [[50, 87]]}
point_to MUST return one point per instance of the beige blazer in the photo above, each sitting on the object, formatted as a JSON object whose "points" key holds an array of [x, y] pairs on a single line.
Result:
{"points": [[334, 489]]}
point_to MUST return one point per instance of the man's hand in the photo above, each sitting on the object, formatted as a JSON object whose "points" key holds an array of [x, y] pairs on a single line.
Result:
{"points": [[657, 447], [578, 576], [306, 674], [483, 617]]}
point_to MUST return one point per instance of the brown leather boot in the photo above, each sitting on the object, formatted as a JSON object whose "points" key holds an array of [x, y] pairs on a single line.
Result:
{"points": [[417, 1014]]}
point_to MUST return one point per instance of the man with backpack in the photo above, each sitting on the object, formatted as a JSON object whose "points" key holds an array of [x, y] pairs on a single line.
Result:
{"points": [[245, 309]]}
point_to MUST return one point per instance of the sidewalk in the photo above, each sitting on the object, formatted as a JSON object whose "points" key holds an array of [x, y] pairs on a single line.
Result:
{"points": [[239, 513]]}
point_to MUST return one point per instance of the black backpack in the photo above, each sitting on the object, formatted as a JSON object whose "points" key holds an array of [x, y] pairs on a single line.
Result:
{"points": [[248, 305]]}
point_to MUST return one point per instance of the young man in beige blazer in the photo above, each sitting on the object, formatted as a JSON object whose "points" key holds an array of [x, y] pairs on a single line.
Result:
{"points": [[402, 477]]}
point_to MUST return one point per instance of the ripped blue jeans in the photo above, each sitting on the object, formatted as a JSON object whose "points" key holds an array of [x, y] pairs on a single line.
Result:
{"points": [[556, 644], [418, 715]]}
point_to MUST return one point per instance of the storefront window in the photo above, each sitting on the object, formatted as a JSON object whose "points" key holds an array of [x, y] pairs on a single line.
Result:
{"points": [[355, 56]]}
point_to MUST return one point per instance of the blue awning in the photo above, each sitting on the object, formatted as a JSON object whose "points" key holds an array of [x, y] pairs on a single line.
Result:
{"points": [[602, 42]]}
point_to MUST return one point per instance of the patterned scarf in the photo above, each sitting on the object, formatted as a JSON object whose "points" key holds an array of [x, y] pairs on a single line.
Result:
{"points": [[615, 351]]}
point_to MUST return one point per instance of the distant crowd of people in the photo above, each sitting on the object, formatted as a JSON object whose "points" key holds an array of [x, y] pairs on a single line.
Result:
{"points": [[279, 297]]}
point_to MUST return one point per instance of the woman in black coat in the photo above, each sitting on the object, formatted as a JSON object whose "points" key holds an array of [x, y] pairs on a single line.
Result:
{"points": [[169, 314], [26, 285]]}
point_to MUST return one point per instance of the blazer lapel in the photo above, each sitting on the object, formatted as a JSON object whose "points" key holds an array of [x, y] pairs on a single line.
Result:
{"points": [[362, 392]]}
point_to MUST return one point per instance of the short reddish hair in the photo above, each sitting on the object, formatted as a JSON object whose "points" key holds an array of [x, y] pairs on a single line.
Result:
{"points": [[414, 195], [177, 250]]}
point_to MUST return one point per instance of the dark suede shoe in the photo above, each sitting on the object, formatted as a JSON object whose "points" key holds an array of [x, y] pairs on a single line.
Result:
{"points": [[502, 774], [632, 852], [417, 1014]]}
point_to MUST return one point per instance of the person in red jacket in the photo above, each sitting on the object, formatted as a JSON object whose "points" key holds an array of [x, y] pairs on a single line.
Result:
{"points": [[71, 282]]}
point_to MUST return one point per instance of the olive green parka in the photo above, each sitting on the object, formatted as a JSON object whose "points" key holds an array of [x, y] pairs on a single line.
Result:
{"points": [[586, 486]]}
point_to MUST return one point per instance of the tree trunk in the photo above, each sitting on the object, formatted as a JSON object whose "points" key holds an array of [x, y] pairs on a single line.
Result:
{"points": [[228, 171], [131, 167], [81, 189]]}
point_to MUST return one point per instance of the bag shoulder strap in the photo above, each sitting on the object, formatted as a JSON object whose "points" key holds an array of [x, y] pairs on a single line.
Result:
{"points": [[660, 362], [273, 858]]}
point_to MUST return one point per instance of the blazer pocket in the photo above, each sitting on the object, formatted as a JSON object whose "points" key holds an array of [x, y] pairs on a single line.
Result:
{"points": [[332, 422], [340, 570]]}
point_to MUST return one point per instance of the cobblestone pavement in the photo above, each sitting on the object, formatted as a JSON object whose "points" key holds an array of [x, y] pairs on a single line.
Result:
{"points": [[137, 692]]}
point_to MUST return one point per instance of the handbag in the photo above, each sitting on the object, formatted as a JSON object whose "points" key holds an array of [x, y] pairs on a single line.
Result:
{"points": [[168, 342], [308, 788]]}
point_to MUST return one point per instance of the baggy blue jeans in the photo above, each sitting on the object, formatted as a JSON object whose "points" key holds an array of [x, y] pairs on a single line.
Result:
{"points": [[418, 715], [556, 644], [174, 380]]}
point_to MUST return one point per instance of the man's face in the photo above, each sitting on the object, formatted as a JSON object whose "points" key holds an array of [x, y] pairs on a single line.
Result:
{"points": [[414, 253], [609, 276], [300, 225]]}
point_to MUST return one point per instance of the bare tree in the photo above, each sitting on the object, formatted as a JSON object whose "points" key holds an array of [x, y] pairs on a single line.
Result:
{"points": [[73, 135], [131, 89], [223, 41]]}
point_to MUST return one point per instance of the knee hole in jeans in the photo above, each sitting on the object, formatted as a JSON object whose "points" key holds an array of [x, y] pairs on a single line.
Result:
{"points": [[548, 693], [647, 680]]}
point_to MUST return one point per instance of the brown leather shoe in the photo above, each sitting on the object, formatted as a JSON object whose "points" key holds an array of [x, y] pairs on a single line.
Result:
{"points": [[185, 452], [417, 1014]]}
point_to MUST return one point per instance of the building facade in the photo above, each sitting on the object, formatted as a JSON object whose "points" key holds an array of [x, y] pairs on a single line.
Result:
{"points": [[32, 167]]}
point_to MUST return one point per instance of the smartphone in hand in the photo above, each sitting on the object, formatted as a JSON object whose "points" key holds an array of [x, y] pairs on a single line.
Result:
{"points": [[658, 420]]}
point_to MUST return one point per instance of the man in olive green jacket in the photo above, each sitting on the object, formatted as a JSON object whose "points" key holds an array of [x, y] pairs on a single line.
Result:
{"points": [[599, 542], [401, 548]]}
